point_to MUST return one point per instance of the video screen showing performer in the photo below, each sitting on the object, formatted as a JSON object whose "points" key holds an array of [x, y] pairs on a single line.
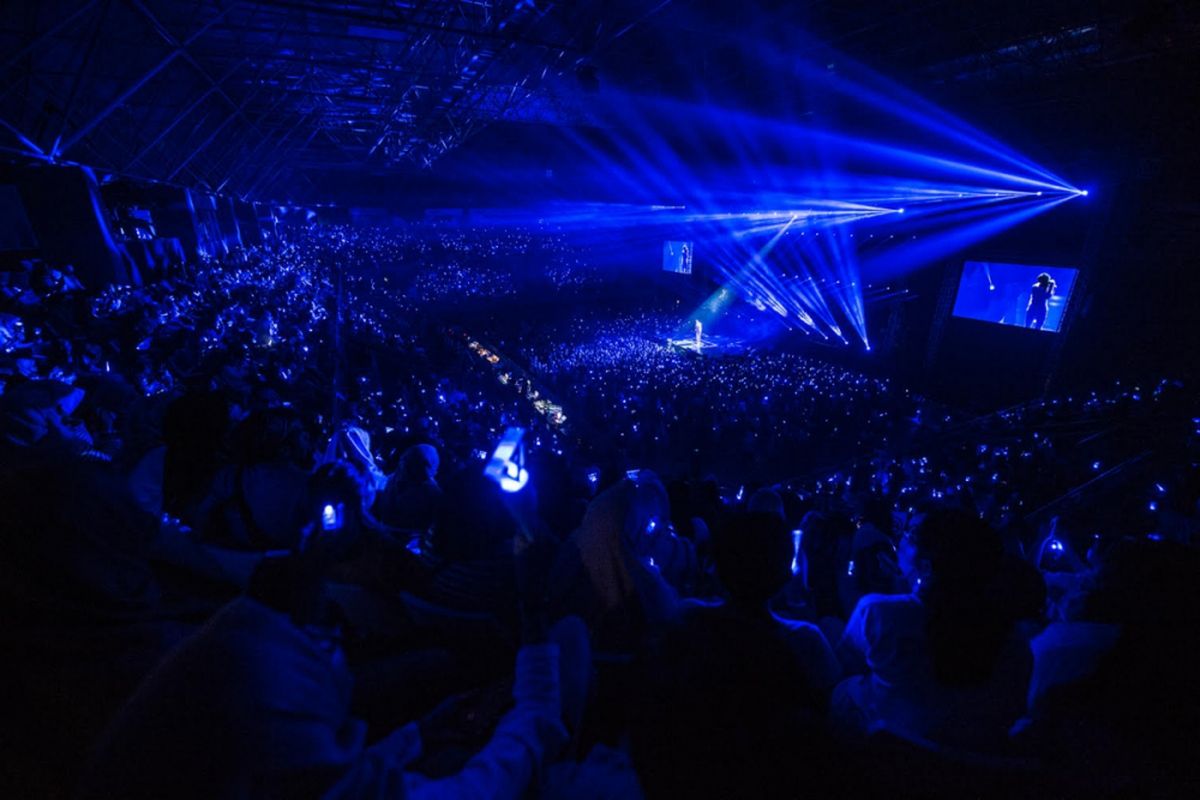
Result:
{"points": [[677, 257], [1025, 296]]}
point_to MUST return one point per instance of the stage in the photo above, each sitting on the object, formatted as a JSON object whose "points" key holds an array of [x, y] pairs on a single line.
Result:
{"points": [[710, 346]]}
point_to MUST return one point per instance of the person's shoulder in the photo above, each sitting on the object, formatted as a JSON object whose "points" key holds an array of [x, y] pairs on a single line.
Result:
{"points": [[794, 624], [799, 629], [249, 612], [868, 535], [876, 600], [1075, 635], [689, 605], [885, 606]]}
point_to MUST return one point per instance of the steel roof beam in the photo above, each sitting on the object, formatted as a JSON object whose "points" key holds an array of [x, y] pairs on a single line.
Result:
{"points": [[137, 85]]}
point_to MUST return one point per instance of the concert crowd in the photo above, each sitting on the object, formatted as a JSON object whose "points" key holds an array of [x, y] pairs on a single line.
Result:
{"points": [[249, 549]]}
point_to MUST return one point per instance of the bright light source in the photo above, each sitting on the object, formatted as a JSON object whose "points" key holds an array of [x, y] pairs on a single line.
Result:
{"points": [[514, 479]]}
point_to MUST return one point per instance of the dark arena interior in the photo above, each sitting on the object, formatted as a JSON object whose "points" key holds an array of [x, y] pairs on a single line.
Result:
{"points": [[600, 399]]}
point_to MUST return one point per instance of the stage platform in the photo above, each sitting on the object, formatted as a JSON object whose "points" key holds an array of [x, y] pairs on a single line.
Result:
{"points": [[710, 346]]}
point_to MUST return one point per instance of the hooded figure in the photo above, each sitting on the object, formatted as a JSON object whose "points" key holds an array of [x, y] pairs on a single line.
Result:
{"points": [[353, 444]]}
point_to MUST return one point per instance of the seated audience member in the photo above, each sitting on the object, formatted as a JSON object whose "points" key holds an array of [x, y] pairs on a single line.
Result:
{"points": [[722, 709], [71, 283], [369, 557], [673, 555], [1025, 587], [468, 556], [599, 577], [177, 477], [767, 501], [1070, 647], [352, 444], [344, 602], [84, 619], [411, 496], [753, 553], [1115, 709], [256, 502], [258, 705], [42, 413], [824, 559], [944, 663], [872, 567]]}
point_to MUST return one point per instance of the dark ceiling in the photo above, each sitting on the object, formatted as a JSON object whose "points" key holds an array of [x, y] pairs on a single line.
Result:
{"points": [[264, 99]]}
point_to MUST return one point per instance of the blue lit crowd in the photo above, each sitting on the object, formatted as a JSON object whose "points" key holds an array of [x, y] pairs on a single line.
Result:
{"points": [[250, 549], [744, 419]]}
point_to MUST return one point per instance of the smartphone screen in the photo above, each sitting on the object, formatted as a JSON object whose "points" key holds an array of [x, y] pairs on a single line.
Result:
{"points": [[332, 517]]}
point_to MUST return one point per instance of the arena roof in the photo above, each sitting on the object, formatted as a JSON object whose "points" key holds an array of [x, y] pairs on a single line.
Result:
{"points": [[254, 97]]}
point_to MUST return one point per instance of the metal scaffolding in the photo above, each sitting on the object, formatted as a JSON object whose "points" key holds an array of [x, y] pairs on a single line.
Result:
{"points": [[253, 97], [245, 97]]}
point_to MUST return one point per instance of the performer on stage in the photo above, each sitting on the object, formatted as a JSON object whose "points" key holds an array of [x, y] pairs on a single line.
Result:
{"points": [[1039, 301], [699, 328]]}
